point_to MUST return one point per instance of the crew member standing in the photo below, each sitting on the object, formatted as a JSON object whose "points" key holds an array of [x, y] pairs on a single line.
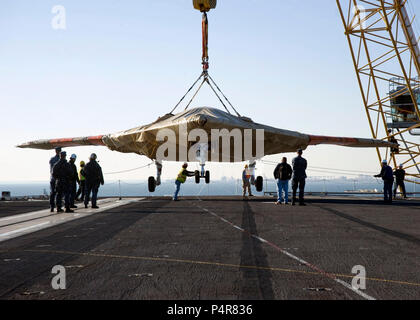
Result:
{"points": [[94, 178], [74, 181], [62, 173], [53, 161], [399, 181], [82, 185], [299, 177], [181, 178], [246, 184], [283, 174], [388, 178]]}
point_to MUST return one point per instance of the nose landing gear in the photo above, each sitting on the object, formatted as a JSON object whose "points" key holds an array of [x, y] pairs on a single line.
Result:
{"points": [[202, 175]]}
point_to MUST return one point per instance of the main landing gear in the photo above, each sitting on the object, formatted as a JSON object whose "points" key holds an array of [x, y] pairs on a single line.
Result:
{"points": [[152, 182], [257, 182]]}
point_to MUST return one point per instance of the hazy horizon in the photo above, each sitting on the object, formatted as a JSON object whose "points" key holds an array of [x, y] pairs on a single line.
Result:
{"points": [[118, 65]]}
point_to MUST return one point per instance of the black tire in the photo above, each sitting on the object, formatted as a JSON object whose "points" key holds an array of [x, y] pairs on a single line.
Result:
{"points": [[259, 184], [207, 177], [152, 184], [197, 177]]}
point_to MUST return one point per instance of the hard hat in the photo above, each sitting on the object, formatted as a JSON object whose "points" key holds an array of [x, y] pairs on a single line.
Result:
{"points": [[93, 156], [246, 166], [73, 156], [82, 163], [385, 162], [401, 165]]}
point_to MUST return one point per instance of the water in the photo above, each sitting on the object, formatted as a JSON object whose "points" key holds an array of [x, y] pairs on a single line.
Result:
{"points": [[215, 188]]}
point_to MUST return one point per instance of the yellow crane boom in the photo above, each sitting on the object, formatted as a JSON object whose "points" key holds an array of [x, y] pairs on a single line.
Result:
{"points": [[386, 57]]}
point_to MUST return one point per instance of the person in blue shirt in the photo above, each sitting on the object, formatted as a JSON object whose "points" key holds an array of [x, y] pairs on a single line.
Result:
{"points": [[53, 193], [387, 176], [283, 173]]}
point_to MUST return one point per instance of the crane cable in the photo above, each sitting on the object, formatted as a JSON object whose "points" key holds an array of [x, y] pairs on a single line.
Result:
{"points": [[327, 170], [129, 170], [182, 99], [205, 75]]}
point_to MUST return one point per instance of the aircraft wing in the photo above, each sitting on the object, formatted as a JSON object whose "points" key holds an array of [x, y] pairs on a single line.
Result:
{"points": [[350, 142], [49, 144], [143, 140]]}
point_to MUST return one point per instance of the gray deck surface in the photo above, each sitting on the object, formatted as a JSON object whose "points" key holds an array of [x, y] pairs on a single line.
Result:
{"points": [[195, 249]]}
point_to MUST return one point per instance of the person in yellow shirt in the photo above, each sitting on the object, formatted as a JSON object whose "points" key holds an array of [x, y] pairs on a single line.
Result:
{"points": [[181, 178], [82, 185]]}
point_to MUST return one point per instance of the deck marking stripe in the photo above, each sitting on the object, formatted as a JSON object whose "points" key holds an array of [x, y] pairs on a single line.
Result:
{"points": [[23, 229], [360, 293], [108, 203], [24, 215], [104, 255], [311, 266]]}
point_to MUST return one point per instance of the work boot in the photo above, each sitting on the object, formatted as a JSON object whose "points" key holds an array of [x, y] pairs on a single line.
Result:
{"points": [[302, 204], [68, 210], [86, 206], [73, 207], [52, 209], [59, 210], [95, 207]]}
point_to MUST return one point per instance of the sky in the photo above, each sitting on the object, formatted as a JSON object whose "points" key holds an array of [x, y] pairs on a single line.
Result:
{"points": [[121, 64]]}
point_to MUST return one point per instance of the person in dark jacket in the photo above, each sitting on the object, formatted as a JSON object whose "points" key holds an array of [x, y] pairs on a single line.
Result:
{"points": [[62, 173], [299, 165], [53, 194], [399, 181], [82, 186], [283, 173], [74, 181], [388, 178], [94, 178]]}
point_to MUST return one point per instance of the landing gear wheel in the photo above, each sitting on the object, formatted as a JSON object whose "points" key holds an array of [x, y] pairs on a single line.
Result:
{"points": [[259, 184], [152, 184], [197, 177], [207, 177]]}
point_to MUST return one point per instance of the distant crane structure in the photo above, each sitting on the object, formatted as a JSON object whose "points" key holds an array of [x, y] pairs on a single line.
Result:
{"points": [[386, 56]]}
